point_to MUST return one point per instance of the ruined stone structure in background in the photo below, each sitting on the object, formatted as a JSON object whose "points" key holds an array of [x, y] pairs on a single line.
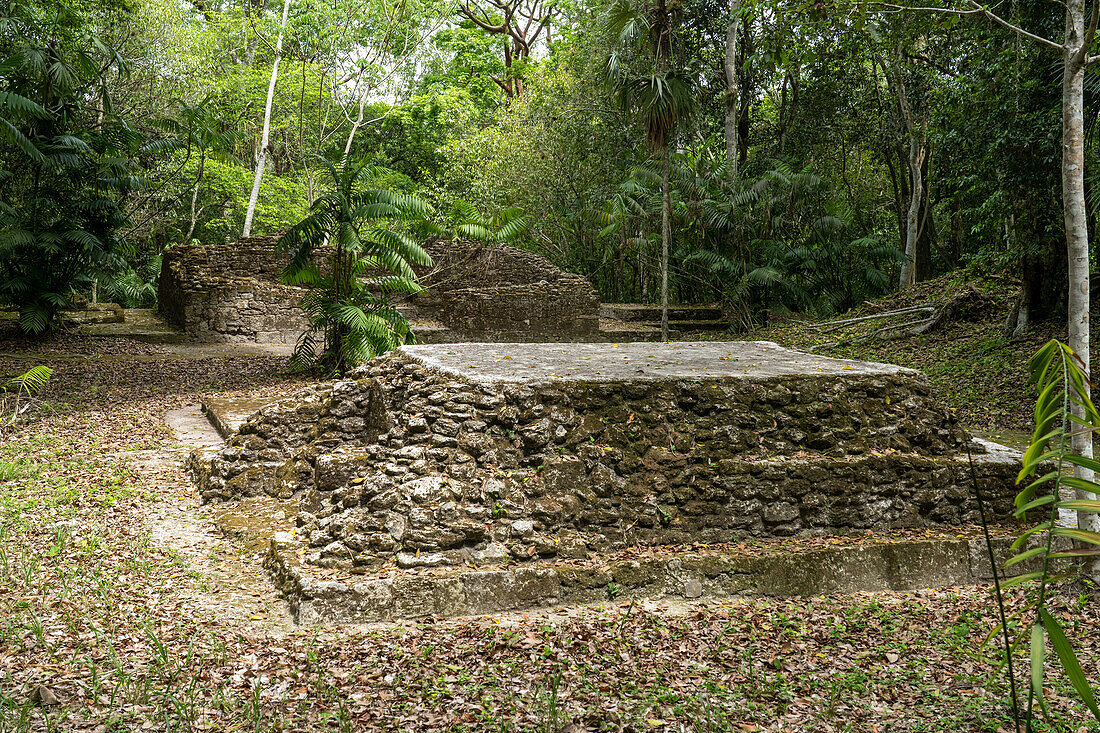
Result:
{"points": [[230, 293], [500, 293], [476, 292], [474, 478]]}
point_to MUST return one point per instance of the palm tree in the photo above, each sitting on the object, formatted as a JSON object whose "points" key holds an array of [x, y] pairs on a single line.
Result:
{"points": [[354, 230], [660, 96], [465, 221]]}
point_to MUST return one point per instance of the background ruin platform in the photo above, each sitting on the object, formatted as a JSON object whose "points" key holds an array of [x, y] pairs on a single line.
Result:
{"points": [[480, 457], [474, 292]]}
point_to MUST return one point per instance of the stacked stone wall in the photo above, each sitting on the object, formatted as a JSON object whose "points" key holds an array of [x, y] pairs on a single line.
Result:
{"points": [[499, 293], [231, 293], [410, 465], [539, 312]]}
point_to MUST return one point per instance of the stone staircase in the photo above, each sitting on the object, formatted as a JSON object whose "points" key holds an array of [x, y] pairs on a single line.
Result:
{"points": [[681, 318]]}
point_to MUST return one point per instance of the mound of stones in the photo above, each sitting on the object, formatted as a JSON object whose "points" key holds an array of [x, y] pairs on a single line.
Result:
{"points": [[467, 457]]}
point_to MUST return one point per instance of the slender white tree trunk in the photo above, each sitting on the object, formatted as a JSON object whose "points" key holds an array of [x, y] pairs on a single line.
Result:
{"points": [[265, 135], [733, 93], [1077, 236], [917, 151], [357, 123], [195, 200], [666, 235]]}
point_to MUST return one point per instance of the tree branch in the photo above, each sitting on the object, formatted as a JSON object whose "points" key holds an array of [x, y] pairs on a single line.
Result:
{"points": [[1082, 56], [486, 24], [1014, 28], [976, 9]]}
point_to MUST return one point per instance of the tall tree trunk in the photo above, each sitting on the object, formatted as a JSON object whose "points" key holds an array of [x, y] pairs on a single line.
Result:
{"points": [[1077, 237], [917, 152], [356, 123], [918, 149], [746, 89], [733, 100], [926, 229], [666, 235], [195, 200], [265, 135], [1020, 315], [900, 185]]}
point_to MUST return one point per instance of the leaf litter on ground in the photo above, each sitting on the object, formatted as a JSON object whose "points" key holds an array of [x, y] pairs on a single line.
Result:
{"points": [[123, 608]]}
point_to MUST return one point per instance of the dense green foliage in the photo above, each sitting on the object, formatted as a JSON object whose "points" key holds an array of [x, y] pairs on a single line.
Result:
{"points": [[99, 94], [350, 252], [69, 159]]}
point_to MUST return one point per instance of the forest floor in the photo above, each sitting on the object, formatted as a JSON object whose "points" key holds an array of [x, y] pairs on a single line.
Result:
{"points": [[122, 608], [972, 365]]}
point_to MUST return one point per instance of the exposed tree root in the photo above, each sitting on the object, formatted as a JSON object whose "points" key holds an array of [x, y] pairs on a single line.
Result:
{"points": [[968, 301]]}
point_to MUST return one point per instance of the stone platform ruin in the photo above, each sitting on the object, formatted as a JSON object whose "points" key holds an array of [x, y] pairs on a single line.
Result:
{"points": [[469, 478], [474, 292]]}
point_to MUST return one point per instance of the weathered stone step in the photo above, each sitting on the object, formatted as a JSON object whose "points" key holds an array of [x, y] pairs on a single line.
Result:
{"points": [[953, 558], [139, 324], [94, 313], [649, 313], [227, 414], [689, 326], [614, 332]]}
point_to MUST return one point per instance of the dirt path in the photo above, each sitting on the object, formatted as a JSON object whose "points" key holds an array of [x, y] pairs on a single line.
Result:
{"points": [[229, 577]]}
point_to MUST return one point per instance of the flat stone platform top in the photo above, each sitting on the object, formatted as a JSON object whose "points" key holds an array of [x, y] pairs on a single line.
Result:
{"points": [[514, 363]]}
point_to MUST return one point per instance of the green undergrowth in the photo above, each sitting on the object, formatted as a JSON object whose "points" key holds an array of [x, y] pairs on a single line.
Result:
{"points": [[44, 480]]}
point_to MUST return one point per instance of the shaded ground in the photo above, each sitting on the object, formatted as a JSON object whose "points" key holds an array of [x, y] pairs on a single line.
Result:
{"points": [[972, 364], [124, 609]]}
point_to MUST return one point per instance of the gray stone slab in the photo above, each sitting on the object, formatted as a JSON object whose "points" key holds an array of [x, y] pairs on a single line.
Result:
{"points": [[673, 572], [741, 360], [192, 427], [227, 414]]}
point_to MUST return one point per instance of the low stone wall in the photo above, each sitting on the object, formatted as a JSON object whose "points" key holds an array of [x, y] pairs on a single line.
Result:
{"points": [[500, 293], [541, 312], [685, 572], [230, 293], [247, 311], [417, 465]]}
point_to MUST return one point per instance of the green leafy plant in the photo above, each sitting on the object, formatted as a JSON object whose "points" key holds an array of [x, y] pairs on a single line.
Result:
{"points": [[1063, 389], [67, 160], [129, 289], [351, 252], [465, 221], [17, 395]]}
